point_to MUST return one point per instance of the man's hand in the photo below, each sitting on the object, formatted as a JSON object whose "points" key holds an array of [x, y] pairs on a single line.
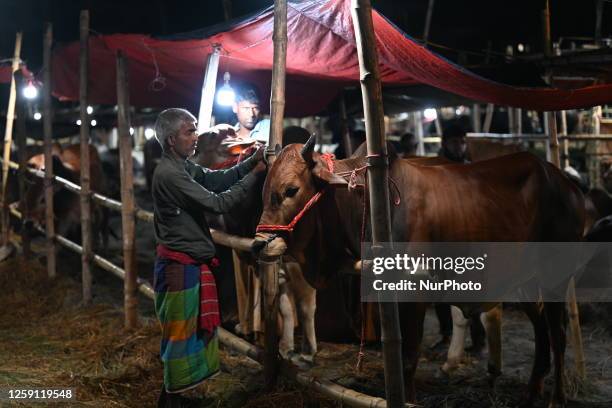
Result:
{"points": [[258, 156], [260, 167]]}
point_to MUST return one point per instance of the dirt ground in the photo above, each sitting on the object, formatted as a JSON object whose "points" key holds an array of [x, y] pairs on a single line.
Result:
{"points": [[48, 339]]}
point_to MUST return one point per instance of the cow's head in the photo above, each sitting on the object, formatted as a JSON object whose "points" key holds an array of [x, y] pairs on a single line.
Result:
{"points": [[296, 176]]}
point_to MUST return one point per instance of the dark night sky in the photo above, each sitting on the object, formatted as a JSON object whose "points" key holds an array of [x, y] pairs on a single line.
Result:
{"points": [[466, 24]]}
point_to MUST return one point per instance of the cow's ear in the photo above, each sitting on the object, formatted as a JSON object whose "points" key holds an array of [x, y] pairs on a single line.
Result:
{"points": [[308, 150], [327, 176]]}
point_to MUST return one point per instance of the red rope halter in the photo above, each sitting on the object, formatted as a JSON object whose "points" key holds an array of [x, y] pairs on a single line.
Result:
{"points": [[329, 160]]}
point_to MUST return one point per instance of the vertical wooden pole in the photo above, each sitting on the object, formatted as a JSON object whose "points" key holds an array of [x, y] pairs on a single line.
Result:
{"points": [[430, 8], [21, 150], [476, 118], [8, 140], [566, 161], [486, 127], [344, 127], [511, 121], [546, 29], [85, 164], [572, 305], [518, 117], [277, 111], [48, 135], [207, 99], [598, 17], [418, 132], [127, 194], [378, 173], [227, 9]]}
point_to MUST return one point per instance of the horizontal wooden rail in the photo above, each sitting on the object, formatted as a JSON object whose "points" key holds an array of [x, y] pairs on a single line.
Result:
{"points": [[143, 286]]}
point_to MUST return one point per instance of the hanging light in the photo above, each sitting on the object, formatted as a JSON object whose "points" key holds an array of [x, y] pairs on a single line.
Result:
{"points": [[430, 114], [89, 110], [37, 116], [93, 122], [149, 133], [226, 95], [30, 91]]}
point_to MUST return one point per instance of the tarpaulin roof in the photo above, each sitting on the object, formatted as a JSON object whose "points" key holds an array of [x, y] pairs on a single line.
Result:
{"points": [[321, 60]]}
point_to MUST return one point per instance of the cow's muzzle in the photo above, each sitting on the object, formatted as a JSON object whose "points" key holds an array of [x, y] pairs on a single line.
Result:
{"points": [[268, 245]]}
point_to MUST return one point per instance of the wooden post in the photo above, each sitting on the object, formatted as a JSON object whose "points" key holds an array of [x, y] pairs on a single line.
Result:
{"points": [[511, 121], [207, 99], [418, 132], [430, 7], [518, 118], [546, 29], [378, 189], [566, 161], [277, 111], [48, 147], [227, 9], [8, 140], [476, 118], [21, 151], [598, 16], [85, 165], [486, 127], [344, 127], [572, 305], [130, 286]]}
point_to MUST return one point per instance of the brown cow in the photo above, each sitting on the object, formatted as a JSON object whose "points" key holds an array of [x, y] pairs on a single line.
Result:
{"points": [[66, 204], [513, 198]]}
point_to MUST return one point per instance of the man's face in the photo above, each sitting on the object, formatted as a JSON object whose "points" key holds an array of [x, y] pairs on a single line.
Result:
{"points": [[185, 142], [247, 113], [455, 148]]}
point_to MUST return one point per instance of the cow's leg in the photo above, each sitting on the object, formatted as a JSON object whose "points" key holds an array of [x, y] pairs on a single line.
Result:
{"points": [[555, 320], [491, 320], [412, 316], [286, 346], [456, 347], [541, 364], [307, 309]]}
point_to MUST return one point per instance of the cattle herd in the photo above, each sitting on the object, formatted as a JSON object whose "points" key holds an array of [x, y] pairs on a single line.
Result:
{"points": [[516, 197]]}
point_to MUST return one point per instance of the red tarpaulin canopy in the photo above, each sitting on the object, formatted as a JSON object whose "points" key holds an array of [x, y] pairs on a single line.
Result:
{"points": [[321, 60]]}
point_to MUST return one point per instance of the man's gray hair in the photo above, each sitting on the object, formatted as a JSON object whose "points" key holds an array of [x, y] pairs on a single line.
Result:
{"points": [[169, 123]]}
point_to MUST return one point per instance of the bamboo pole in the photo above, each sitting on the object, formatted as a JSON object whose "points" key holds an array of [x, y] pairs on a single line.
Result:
{"points": [[572, 305], [207, 99], [21, 150], [417, 117], [277, 99], [344, 127], [48, 147], [518, 117], [227, 9], [270, 270], [511, 121], [476, 118], [378, 189], [85, 165], [430, 7], [546, 29], [598, 18], [8, 139], [127, 194], [486, 127], [566, 161]]}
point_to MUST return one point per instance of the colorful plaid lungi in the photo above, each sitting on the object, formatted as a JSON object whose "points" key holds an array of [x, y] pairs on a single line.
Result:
{"points": [[189, 354]]}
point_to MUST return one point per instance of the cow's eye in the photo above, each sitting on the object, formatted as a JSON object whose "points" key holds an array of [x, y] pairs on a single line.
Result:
{"points": [[291, 191]]}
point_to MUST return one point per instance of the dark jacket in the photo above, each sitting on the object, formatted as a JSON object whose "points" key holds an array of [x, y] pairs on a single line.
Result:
{"points": [[183, 191]]}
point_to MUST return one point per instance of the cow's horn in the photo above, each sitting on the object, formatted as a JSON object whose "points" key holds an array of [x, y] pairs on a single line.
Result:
{"points": [[309, 148]]}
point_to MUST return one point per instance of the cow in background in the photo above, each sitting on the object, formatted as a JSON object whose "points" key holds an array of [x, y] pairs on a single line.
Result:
{"points": [[432, 209], [66, 204]]}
